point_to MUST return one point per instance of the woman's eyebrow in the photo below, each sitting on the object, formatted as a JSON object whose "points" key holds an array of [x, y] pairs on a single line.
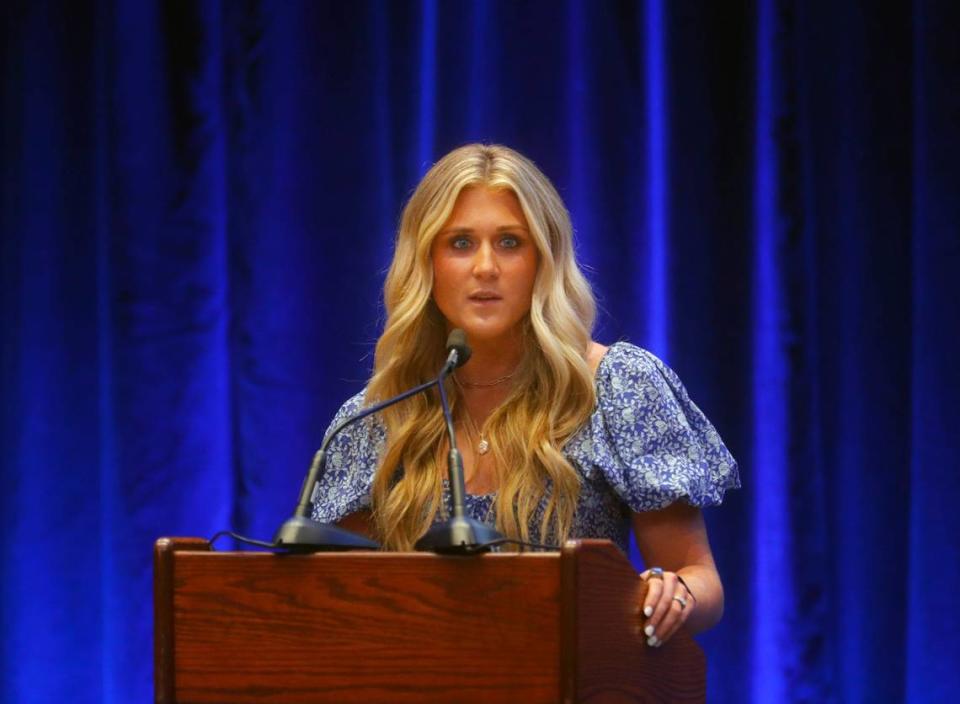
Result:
{"points": [[470, 230]]}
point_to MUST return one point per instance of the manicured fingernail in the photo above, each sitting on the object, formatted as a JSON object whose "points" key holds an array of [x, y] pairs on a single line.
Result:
{"points": [[649, 630], [648, 611], [652, 640]]}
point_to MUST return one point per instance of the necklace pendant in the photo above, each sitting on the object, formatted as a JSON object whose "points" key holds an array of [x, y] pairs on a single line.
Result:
{"points": [[483, 447]]}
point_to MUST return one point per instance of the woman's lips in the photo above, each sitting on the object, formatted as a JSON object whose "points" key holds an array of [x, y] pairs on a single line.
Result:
{"points": [[484, 298]]}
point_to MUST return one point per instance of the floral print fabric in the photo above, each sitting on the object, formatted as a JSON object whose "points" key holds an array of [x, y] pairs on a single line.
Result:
{"points": [[645, 446]]}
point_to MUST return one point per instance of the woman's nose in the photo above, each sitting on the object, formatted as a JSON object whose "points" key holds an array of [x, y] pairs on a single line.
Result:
{"points": [[485, 263]]}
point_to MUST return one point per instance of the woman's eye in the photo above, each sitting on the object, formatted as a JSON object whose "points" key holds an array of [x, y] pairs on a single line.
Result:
{"points": [[509, 242], [460, 243]]}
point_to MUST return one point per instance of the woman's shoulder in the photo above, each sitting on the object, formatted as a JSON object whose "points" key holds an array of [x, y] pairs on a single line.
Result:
{"points": [[350, 407], [358, 443], [631, 377], [352, 458], [595, 355], [371, 425], [353, 404], [624, 359], [647, 439]]}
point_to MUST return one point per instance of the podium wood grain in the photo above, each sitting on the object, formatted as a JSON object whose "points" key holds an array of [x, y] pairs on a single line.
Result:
{"points": [[407, 627]]}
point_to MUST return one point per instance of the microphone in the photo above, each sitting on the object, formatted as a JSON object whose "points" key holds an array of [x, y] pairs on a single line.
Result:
{"points": [[300, 532], [458, 534], [456, 344]]}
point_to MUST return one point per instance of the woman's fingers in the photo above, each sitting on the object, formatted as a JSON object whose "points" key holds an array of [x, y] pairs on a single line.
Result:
{"points": [[655, 626], [664, 606], [675, 617], [652, 597]]}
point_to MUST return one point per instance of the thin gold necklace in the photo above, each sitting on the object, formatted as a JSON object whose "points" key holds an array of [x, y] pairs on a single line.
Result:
{"points": [[483, 447], [484, 384]]}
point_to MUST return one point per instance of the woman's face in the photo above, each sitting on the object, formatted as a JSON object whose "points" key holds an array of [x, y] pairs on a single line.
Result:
{"points": [[484, 265]]}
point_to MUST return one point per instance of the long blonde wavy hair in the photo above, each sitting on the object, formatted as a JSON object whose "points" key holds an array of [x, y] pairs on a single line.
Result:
{"points": [[553, 392]]}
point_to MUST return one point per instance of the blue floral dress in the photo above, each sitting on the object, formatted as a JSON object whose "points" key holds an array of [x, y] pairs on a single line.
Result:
{"points": [[645, 446]]}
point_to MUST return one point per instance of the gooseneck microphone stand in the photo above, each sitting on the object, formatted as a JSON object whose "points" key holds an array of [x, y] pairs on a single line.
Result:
{"points": [[458, 534], [300, 533]]}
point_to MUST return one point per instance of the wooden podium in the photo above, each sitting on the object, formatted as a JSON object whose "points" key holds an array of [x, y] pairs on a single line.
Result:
{"points": [[244, 627]]}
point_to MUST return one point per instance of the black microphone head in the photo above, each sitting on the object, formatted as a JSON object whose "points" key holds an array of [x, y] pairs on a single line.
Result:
{"points": [[457, 340]]}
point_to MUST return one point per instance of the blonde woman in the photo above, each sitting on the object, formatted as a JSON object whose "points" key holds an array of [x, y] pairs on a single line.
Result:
{"points": [[561, 436]]}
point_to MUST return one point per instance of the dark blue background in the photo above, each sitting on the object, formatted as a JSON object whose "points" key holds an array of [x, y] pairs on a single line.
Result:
{"points": [[199, 201]]}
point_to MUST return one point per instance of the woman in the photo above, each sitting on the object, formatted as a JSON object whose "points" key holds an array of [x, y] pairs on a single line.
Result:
{"points": [[561, 437]]}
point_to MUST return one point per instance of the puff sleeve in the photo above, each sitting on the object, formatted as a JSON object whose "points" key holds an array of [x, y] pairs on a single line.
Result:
{"points": [[352, 458], [648, 441]]}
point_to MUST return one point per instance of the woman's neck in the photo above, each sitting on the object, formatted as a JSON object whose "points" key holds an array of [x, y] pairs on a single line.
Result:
{"points": [[486, 379], [488, 364]]}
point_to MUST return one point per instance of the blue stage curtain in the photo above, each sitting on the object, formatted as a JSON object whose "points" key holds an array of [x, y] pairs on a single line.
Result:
{"points": [[198, 207]]}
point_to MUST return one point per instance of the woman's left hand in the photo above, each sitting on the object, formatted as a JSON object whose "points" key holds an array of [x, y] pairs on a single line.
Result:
{"points": [[666, 606]]}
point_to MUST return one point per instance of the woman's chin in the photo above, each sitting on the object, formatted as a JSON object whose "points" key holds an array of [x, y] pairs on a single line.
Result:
{"points": [[485, 333]]}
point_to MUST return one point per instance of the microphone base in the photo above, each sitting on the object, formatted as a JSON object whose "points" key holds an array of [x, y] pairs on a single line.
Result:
{"points": [[458, 536], [299, 534]]}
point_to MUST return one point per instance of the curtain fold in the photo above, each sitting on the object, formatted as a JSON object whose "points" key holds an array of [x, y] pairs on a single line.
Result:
{"points": [[198, 208], [933, 627]]}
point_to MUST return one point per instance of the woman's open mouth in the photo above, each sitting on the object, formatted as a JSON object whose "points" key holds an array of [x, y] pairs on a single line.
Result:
{"points": [[484, 297]]}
